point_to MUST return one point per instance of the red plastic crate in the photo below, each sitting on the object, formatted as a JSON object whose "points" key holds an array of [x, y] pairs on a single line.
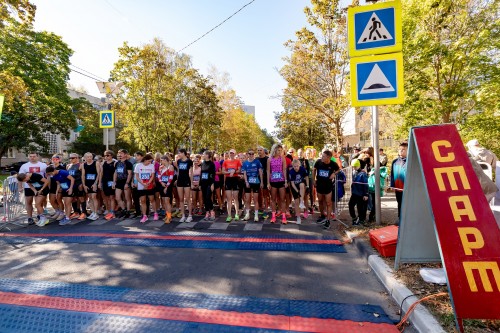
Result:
{"points": [[385, 240]]}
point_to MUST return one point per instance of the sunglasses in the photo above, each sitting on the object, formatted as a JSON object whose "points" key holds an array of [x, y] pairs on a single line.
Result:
{"points": [[231, 153], [107, 155], [72, 157], [251, 153]]}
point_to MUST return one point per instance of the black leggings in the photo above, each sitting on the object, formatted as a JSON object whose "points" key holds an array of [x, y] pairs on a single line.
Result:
{"points": [[207, 197], [358, 201]]}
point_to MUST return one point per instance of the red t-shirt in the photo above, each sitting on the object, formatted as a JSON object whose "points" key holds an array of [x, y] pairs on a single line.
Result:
{"points": [[230, 165]]}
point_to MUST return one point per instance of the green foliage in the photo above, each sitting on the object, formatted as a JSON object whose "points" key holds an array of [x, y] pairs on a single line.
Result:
{"points": [[317, 75], [485, 127], [34, 70], [451, 63], [23, 10], [162, 98]]}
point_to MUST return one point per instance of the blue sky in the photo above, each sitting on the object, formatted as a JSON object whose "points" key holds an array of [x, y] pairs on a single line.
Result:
{"points": [[249, 46]]}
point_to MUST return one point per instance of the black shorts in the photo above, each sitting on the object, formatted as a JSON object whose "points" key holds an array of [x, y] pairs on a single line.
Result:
{"points": [[255, 188], [28, 192], [53, 186], [217, 185], [196, 188], [89, 184], [44, 193], [324, 188], [231, 183], [183, 182], [107, 189], [146, 192], [277, 184], [120, 184], [295, 194], [168, 191]]}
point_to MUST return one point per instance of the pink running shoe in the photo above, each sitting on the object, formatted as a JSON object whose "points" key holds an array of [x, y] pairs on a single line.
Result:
{"points": [[283, 219], [273, 217], [144, 219], [306, 214], [155, 217]]}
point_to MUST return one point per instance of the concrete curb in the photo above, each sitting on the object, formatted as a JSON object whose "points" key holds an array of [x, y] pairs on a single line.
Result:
{"points": [[421, 318]]}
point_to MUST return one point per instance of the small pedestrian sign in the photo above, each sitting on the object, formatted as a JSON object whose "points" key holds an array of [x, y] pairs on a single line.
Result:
{"points": [[106, 119], [375, 29], [377, 80]]}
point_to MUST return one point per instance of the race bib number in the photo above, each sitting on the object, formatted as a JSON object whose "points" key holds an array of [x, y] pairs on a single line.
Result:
{"points": [[164, 179], [298, 179], [64, 186], [277, 175], [110, 184], [90, 176], [145, 176], [196, 178], [204, 175], [253, 180], [183, 166], [36, 185], [120, 170], [71, 172], [323, 173]]}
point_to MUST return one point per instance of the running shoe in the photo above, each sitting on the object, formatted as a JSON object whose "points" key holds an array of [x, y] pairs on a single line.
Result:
{"points": [[302, 206], [155, 217], [144, 219], [288, 215], [299, 220], [183, 219], [211, 218], [64, 221], [327, 225], [54, 215], [229, 219], [82, 216], [41, 221], [265, 215], [246, 217], [355, 221], [273, 217], [109, 216], [31, 221], [167, 219], [236, 217], [321, 219], [256, 217], [74, 216], [207, 215], [283, 218], [60, 216], [45, 211], [189, 219], [306, 214]]}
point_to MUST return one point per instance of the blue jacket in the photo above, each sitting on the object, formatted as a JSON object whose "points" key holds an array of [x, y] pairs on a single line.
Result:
{"points": [[359, 185]]}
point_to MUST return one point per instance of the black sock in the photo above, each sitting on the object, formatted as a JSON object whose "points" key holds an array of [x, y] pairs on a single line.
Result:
{"points": [[84, 207], [74, 204]]}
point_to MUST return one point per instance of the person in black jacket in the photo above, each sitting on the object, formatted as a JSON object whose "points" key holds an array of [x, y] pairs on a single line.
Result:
{"points": [[207, 184]]}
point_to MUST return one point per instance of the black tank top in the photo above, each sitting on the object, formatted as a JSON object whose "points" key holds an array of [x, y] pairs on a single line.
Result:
{"points": [[75, 172], [90, 172], [108, 170]]}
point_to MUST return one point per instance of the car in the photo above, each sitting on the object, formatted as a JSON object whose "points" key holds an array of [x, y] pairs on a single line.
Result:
{"points": [[14, 166]]}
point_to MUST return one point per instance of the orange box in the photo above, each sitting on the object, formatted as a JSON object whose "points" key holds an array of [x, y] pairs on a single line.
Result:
{"points": [[385, 240]]}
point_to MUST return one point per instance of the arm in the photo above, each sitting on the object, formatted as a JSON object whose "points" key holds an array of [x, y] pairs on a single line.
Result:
{"points": [[268, 172], [285, 171]]}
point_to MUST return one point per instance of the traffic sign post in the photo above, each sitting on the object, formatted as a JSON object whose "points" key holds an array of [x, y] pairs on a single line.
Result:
{"points": [[375, 29], [376, 80], [106, 119]]}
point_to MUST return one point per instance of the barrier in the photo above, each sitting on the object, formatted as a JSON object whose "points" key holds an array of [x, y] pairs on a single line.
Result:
{"points": [[13, 204], [343, 180]]}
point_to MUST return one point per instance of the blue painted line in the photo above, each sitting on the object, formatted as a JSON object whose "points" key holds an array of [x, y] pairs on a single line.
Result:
{"points": [[202, 244], [307, 309], [23, 319]]}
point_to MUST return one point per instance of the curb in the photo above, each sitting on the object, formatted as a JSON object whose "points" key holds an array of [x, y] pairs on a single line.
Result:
{"points": [[421, 318]]}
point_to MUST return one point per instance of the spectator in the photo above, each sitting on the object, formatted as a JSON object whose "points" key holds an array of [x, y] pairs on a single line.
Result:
{"points": [[481, 154], [398, 175], [359, 194]]}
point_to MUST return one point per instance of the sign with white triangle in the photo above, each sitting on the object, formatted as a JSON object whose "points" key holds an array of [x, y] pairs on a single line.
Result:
{"points": [[376, 82], [374, 30]]}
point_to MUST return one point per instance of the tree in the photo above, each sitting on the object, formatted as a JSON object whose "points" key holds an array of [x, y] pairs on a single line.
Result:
{"points": [[318, 68], [163, 99], [34, 67], [22, 9], [451, 58]]}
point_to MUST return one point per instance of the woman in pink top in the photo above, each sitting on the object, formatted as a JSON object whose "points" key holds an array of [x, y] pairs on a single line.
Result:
{"points": [[277, 181]]}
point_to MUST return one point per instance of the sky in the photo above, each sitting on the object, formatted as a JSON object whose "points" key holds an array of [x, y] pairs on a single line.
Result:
{"points": [[249, 46]]}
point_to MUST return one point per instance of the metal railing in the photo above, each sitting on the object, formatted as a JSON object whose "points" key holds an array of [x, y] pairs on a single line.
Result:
{"points": [[342, 192], [12, 204]]}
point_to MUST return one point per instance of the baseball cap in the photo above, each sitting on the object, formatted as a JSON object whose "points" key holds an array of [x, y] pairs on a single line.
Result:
{"points": [[232, 151], [473, 142]]}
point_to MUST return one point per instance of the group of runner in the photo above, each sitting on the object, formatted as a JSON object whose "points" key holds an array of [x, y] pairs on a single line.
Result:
{"points": [[181, 185]]}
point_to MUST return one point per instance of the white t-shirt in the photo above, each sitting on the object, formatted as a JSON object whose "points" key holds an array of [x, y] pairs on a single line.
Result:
{"points": [[145, 173], [38, 167]]}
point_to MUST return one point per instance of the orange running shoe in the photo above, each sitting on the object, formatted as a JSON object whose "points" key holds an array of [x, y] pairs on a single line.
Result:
{"points": [[74, 216], [82, 216]]}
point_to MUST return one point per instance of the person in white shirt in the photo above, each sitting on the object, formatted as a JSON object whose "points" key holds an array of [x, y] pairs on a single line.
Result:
{"points": [[145, 176], [33, 166]]}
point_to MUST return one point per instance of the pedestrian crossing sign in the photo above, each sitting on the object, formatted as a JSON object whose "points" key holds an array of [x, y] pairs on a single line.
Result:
{"points": [[375, 29], [106, 119], [377, 80]]}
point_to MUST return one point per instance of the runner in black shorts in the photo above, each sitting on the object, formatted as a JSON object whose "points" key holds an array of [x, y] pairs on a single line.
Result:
{"points": [[75, 171], [231, 169], [184, 174], [91, 173], [107, 183], [55, 198], [122, 182], [252, 173], [323, 174], [165, 177], [39, 185]]}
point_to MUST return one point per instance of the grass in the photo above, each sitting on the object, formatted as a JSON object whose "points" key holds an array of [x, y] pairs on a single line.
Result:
{"points": [[2, 178]]}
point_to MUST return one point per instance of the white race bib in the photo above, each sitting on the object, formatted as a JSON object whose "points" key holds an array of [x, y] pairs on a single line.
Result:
{"points": [[90, 176], [253, 180], [323, 173], [277, 175]]}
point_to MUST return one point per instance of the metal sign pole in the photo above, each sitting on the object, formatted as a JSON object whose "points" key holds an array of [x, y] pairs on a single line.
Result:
{"points": [[376, 160], [107, 138]]}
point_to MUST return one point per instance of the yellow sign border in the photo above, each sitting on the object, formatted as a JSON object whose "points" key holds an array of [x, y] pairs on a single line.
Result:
{"points": [[112, 119], [398, 27], [399, 78]]}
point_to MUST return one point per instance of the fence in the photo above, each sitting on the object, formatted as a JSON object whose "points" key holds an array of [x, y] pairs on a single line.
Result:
{"points": [[12, 204], [342, 190]]}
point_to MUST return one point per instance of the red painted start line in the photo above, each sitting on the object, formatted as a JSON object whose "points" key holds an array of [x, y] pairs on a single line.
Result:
{"points": [[180, 238], [231, 318]]}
